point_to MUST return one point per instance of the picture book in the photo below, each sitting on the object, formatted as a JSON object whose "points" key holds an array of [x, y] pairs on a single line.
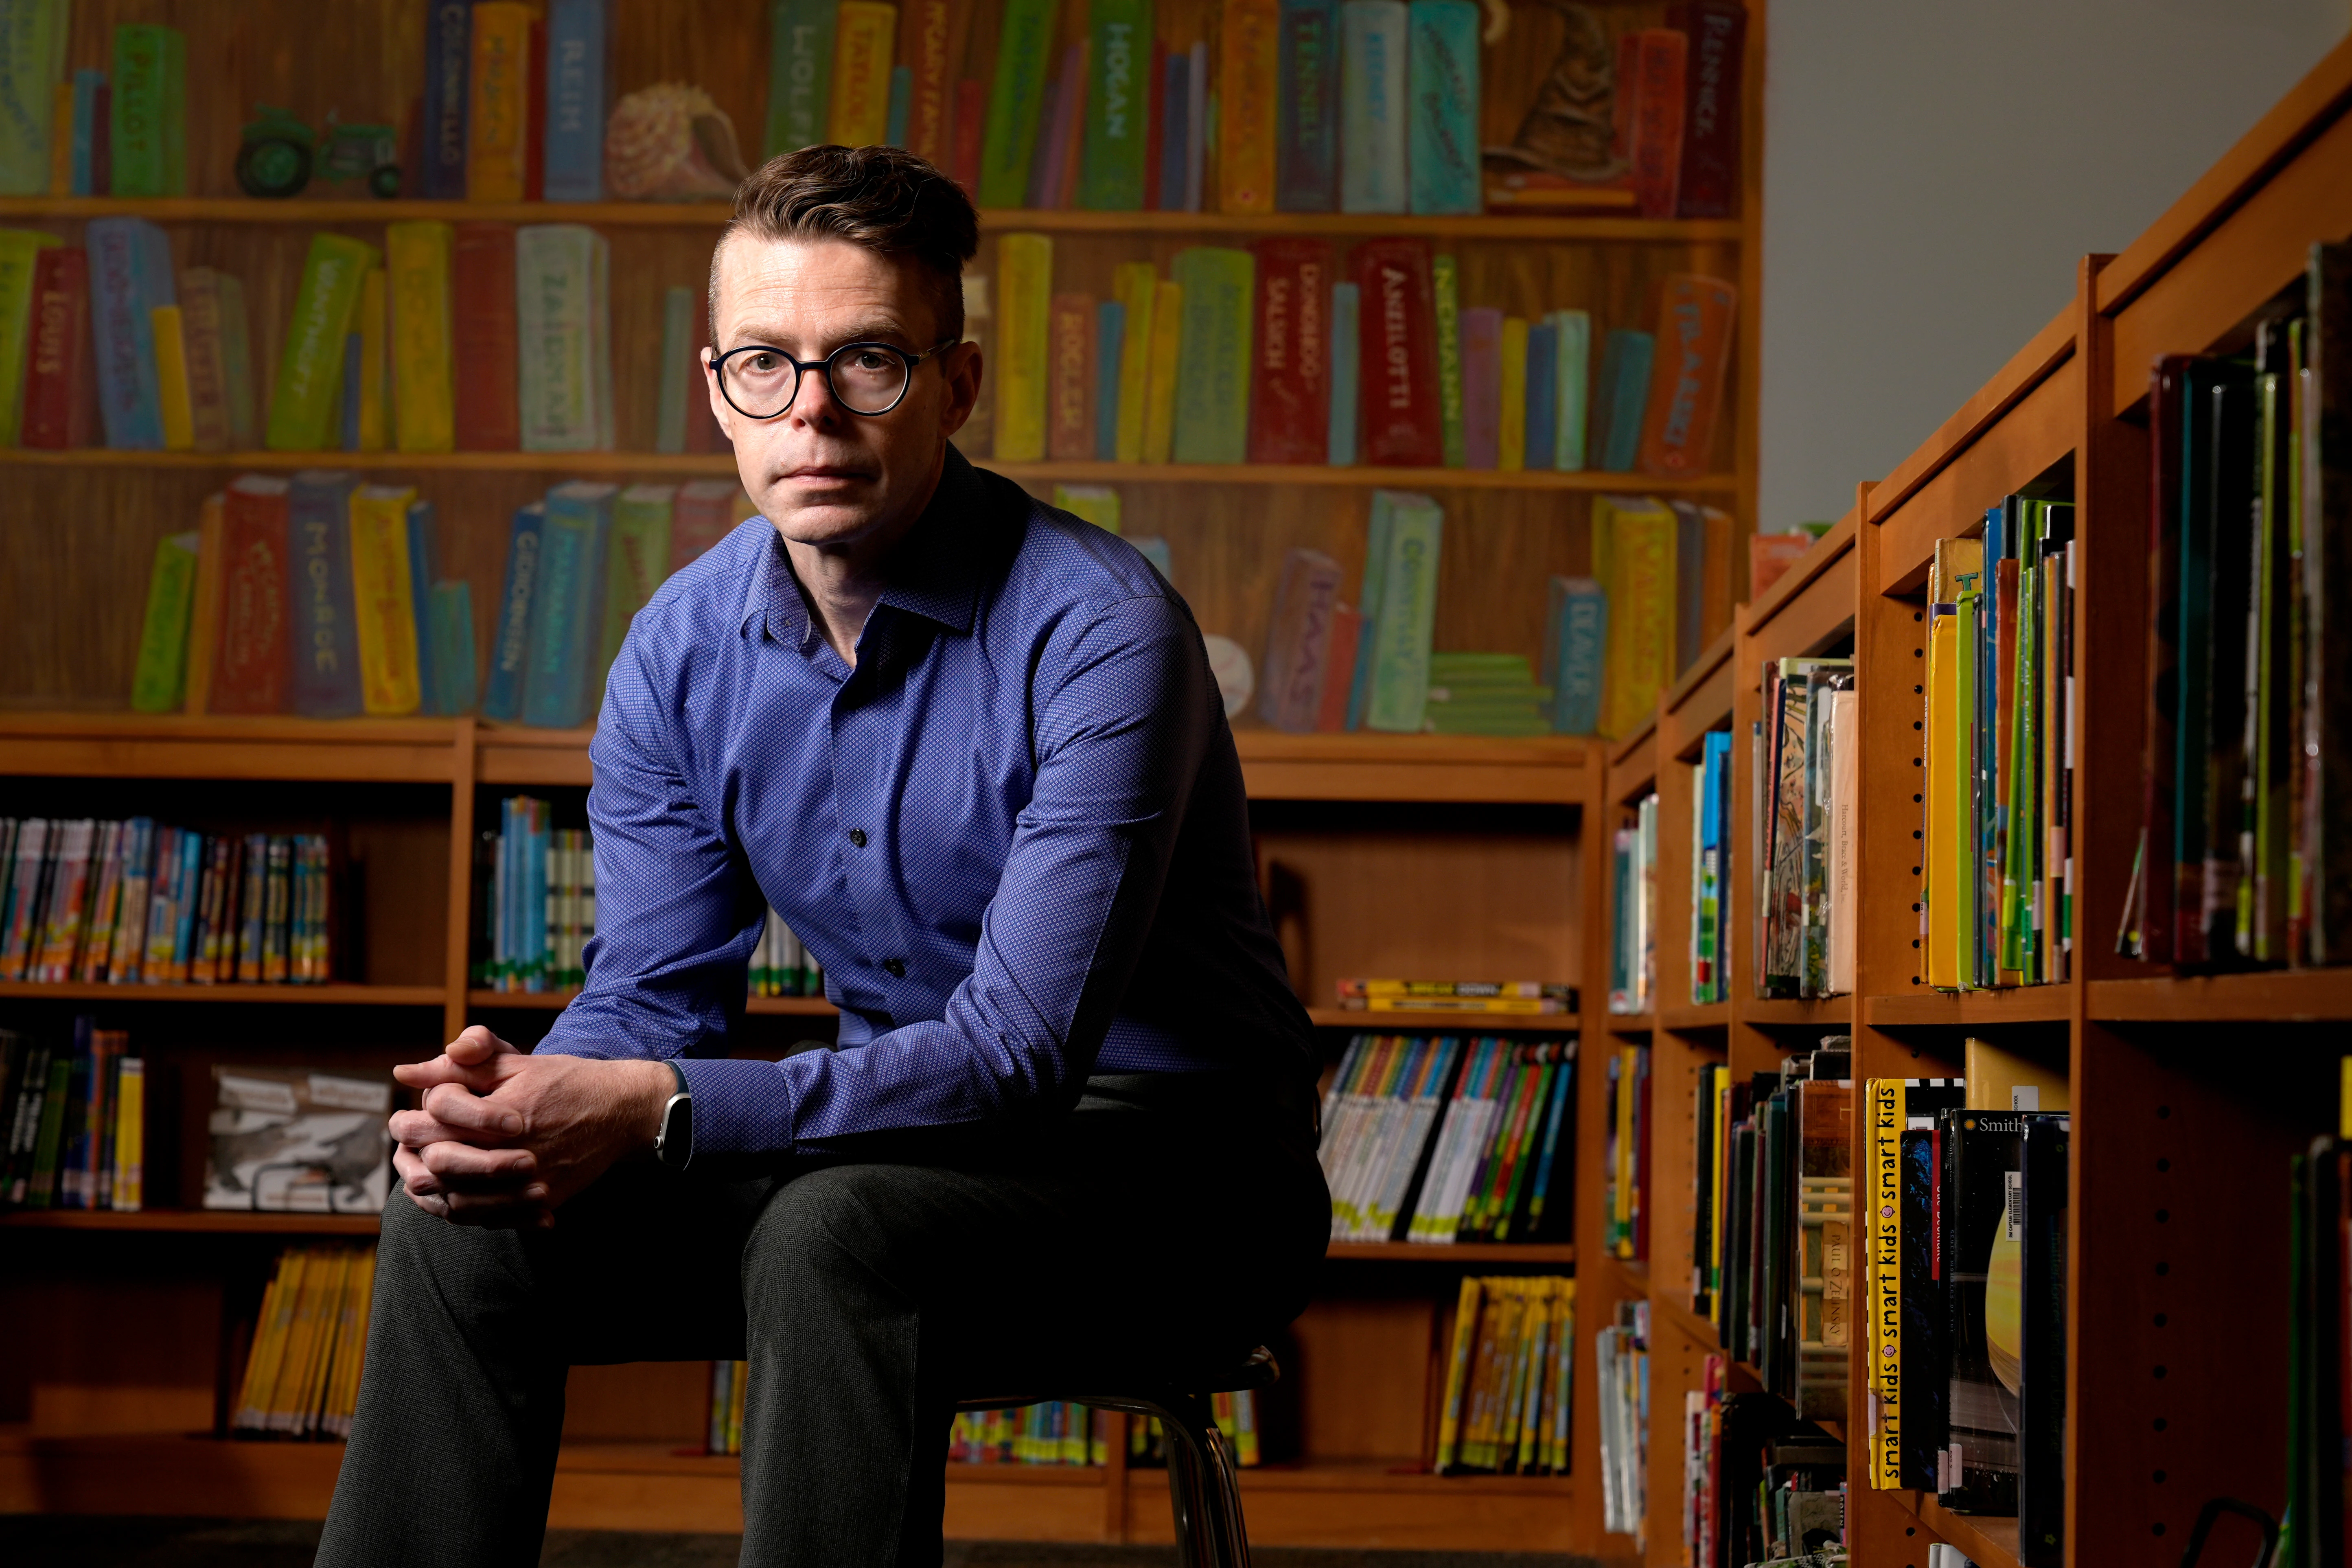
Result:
{"points": [[293, 1139]]}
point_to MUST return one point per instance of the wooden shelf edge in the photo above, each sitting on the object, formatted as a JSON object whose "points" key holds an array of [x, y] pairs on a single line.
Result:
{"points": [[192, 1221], [1700, 1015], [2020, 1005], [1371, 1023], [332, 995], [2295, 995], [1629, 1023], [1562, 1253], [1986, 1540], [2028, 368]]}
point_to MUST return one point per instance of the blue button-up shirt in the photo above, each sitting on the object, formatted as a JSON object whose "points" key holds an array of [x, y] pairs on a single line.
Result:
{"points": [[1015, 834]]}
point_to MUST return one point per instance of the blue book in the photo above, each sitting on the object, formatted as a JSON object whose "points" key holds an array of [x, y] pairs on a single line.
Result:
{"points": [[451, 619], [448, 88], [348, 419], [1373, 46], [424, 570], [1442, 131], [1543, 393], [192, 865], [1175, 109], [1110, 341], [578, 74], [567, 613], [1575, 635], [89, 87], [902, 104], [1347, 377], [1624, 398], [324, 635], [510, 637], [130, 275], [1307, 117]]}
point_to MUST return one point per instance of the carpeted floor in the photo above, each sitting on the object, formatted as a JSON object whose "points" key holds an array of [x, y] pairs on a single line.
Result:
{"points": [[41, 1540]]}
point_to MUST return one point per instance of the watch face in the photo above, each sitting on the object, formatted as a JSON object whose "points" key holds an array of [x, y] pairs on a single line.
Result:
{"points": [[674, 1145]]}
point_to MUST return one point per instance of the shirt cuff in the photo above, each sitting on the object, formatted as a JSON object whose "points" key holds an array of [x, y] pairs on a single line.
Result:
{"points": [[741, 1106]]}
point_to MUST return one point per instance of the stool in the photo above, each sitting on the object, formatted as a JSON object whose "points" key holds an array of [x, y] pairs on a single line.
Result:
{"points": [[1204, 1485]]}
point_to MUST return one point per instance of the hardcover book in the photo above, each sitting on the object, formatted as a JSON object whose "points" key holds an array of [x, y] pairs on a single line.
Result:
{"points": [[1542, 428], [130, 274], [487, 401], [565, 678], [1655, 146], [310, 366], [1399, 345], [1482, 387], [1307, 110], [1016, 103], [60, 399], [564, 333], [148, 138], [864, 42], [251, 658], [1571, 388], [1290, 393], [172, 400], [204, 602], [1160, 383], [1347, 381], [1693, 351], [324, 681], [1026, 263], [1621, 399], [1298, 642], [1402, 616], [1117, 106], [498, 92], [1070, 403], [204, 337], [509, 668], [441, 137], [31, 65], [451, 632], [1982, 1155], [1442, 94], [1375, 42], [800, 74], [1717, 31], [1248, 83], [637, 562], [1445, 294], [1136, 283], [423, 529], [930, 110], [383, 599], [1633, 557], [1212, 423], [579, 69], [158, 678], [20, 254], [1110, 345], [1576, 632], [417, 256], [702, 515]]}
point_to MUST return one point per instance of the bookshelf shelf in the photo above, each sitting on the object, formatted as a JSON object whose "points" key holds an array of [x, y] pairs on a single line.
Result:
{"points": [[1446, 1022], [1706, 1015], [1557, 1254], [1513, 227], [1799, 1012], [314, 995], [173, 746], [1629, 1023], [192, 1222], [1987, 1541], [2304, 995], [2020, 1004]]}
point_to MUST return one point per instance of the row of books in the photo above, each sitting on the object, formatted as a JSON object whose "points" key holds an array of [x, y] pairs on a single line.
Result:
{"points": [[1509, 1377], [535, 887], [2245, 855], [302, 1380], [1518, 998], [1261, 355], [1621, 1354], [1633, 938], [315, 595], [1996, 881], [1804, 783], [76, 1134], [1056, 1432], [135, 902], [1759, 1486], [1625, 1225], [1426, 1140], [780, 966], [92, 132], [1710, 869], [1236, 1415]]}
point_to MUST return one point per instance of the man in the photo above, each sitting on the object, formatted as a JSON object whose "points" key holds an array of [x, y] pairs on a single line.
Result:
{"points": [[971, 749]]}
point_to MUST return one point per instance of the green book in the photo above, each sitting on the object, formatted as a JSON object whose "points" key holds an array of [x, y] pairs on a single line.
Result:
{"points": [[1571, 365], [1212, 358], [53, 1127], [636, 560], [32, 63], [1445, 277], [800, 73], [677, 363], [310, 366], [451, 626], [148, 128], [1118, 106], [1412, 535], [20, 251], [1010, 141], [159, 681]]}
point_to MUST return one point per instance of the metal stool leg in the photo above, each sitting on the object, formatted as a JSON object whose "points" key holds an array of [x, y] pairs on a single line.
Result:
{"points": [[1204, 1488]]}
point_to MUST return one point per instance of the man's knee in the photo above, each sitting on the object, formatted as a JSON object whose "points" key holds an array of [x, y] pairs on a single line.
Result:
{"points": [[841, 1224], [455, 1262]]}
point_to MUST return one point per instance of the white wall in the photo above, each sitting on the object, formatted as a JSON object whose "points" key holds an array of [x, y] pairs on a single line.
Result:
{"points": [[1932, 172]]}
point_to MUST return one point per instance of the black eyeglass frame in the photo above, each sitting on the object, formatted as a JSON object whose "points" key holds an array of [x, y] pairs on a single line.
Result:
{"points": [[913, 362]]}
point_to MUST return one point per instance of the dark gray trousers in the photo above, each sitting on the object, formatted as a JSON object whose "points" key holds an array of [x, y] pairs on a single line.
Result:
{"points": [[868, 1293]]}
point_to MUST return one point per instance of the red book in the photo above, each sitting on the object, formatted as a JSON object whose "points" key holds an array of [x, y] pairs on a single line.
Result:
{"points": [[250, 660], [1070, 378], [1717, 30], [1155, 126], [1662, 56], [534, 144], [1628, 93], [1290, 384], [1339, 674], [703, 515], [61, 377], [1397, 339], [490, 410], [970, 120], [1686, 374]]}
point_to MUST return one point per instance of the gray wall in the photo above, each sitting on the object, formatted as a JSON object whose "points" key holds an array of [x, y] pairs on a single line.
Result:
{"points": [[1932, 170]]}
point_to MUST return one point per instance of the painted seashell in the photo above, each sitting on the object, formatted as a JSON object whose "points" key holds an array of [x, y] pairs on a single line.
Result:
{"points": [[669, 142]]}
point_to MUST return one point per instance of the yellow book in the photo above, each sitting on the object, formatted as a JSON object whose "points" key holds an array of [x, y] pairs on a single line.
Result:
{"points": [[1160, 383], [350, 1343], [130, 1134], [384, 600], [1562, 1375], [1480, 1446], [1620, 1190], [1888, 1118], [171, 380], [1633, 557], [1511, 452], [1457, 1373], [314, 1331], [1719, 1079], [1025, 287], [61, 118], [417, 274], [268, 1350], [864, 41], [497, 139], [1996, 1078], [1947, 933], [1098, 504], [1134, 284], [1248, 91], [373, 426], [203, 612]]}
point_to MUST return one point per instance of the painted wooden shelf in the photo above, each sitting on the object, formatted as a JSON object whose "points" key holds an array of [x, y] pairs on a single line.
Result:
{"points": [[192, 1222], [335, 996], [220, 746], [1451, 1023]]}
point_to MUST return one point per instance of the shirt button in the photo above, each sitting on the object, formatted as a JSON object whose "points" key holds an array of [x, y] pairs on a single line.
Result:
{"points": [[857, 836], [896, 967]]}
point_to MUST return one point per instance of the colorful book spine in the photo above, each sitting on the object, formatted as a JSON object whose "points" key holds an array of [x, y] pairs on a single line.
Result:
{"points": [[865, 39], [1633, 556], [1248, 84], [204, 344], [148, 137], [1624, 397], [1118, 107], [1576, 632], [1446, 293], [1016, 103], [1137, 284], [448, 61], [310, 365], [417, 256], [1482, 387], [1306, 114], [1694, 355], [1572, 376], [1197, 97], [326, 673], [1402, 421], [205, 606], [1290, 391], [384, 600], [1543, 393], [510, 636], [130, 274], [251, 655], [33, 36], [578, 69], [1511, 410], [1443, 99], [1710, 178], [20, 257], [930, 108], [499, 96], [1299, 641], [451, 629], [1374, 45], [637, 561], [1025, 271], [373, 422], [60, 378], [423, 530], [1174, 127], [678, 380], [237, 362], [1346, 380], [485, 350], [1160, 383], [1661, 62], [1407, 610], [158, 678], [566, 616], [800, 74], [564, 332], [1070, 400], [1111, 348], [1213, 357], [174, 407]]}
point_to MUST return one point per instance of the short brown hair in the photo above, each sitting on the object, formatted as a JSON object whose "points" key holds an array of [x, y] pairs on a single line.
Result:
{"points": [[882, 198]]}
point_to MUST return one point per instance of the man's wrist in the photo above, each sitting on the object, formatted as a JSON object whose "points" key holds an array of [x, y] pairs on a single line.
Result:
{"points": [[657, 1081]]}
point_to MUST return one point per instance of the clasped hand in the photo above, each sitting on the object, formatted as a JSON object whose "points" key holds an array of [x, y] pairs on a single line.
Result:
{"points": [[503, 1139]]}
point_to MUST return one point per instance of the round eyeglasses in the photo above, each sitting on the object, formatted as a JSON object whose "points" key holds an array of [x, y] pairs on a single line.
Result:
{"points": [[761, 382]]}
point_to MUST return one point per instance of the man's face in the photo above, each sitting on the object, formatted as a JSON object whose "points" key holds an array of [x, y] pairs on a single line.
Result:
{"points": [[824, 476]]}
